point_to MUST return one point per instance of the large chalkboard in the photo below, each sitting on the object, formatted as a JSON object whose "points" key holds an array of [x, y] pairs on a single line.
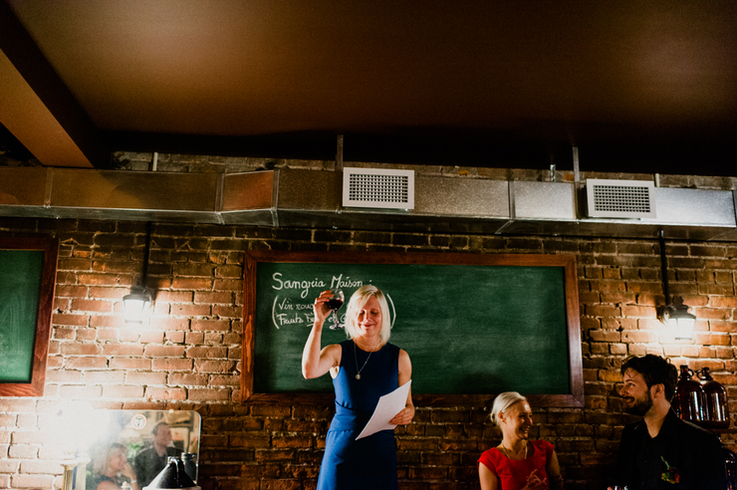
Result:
{"points": [[27, 279], [473, 324]]}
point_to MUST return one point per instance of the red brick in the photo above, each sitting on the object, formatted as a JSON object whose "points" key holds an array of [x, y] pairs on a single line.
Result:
{"points": [[189, 310], [80, 391], [79, 348], [227, 311], [202, 270], [63, 291], [66, 264], [155, 393], [164, 323], [175, 296], [206, 352], [603, 310], [122, 391], [249, 441], [121, 363], [188, 379], [227, 285], [109, 321], [92, 305], [233, 380], [31, 481], [64, 333], [192, 284], [220, 325], [175, 337], [108, 293], [208, 395], [164, 351], [139, 378], [172, 364], [85, 362], [122, 349], [116, 266], [201, 366], [39, 467], [66, 319], [24, 451], [102, 280], [86, 334], [229, 271], [211, 298], [636, 336], [151, 336]]}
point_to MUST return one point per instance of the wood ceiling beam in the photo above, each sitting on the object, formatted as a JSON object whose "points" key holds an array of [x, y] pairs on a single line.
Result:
{"points": [[38, 109]]}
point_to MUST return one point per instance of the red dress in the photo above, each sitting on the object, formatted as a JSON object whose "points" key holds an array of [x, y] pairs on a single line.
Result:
{"points": [[512, 474]]}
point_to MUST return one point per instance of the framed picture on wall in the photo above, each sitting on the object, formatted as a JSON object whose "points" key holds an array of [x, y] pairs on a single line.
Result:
{"points": [[27, 281]]}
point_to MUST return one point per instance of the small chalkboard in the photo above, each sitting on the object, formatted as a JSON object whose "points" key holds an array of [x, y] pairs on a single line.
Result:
{"points": [[27, 279], [473, 324]]}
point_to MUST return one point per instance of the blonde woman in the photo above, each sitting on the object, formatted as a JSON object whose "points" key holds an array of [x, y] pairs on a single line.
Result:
{"points": [[363, 368], [113, 469], [518, 463]]}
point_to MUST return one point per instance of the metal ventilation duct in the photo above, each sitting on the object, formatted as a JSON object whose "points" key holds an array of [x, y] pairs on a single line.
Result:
{"points": [[313, 199]]}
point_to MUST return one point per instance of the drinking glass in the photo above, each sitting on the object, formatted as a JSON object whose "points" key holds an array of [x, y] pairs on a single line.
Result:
{"points": [[335, 303]]}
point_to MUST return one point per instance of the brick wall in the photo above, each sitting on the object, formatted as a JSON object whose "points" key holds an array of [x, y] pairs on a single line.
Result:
{"points": [[188, 356]]}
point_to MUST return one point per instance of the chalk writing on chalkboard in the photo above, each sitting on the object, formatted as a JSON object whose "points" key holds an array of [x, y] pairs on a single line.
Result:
{"points": [[288, 309], [472, 324]]}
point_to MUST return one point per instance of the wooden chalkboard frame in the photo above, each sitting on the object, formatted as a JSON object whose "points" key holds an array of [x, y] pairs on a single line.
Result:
{"points": [[575, 363], [50, 248]]}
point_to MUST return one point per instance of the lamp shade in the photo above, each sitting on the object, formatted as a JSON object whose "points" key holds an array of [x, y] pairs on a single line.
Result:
{"points": [[677, 316], [136, 303], [172, 476]]}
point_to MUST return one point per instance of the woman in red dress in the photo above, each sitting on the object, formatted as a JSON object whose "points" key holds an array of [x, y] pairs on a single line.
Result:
{"points": [[518, 463]]}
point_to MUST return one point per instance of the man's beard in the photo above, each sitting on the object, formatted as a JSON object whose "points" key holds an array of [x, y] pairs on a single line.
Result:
{"points": [[641, 405]]}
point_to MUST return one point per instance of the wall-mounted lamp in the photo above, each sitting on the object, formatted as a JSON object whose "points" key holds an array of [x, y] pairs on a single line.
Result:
{"points": [[674, 313], [136, 304], [140, 298]]}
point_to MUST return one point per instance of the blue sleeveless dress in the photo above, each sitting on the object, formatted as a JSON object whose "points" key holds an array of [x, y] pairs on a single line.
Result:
{"points": [[369, 463]]}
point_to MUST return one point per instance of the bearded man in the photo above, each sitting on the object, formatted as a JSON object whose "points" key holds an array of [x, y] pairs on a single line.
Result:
{"points": [[662, 451]]}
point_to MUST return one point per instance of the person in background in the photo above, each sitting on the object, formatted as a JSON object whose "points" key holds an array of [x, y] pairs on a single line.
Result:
{"points": [[150, 461], [112, 470], [363, 368], [518, 463], [661, 450]]}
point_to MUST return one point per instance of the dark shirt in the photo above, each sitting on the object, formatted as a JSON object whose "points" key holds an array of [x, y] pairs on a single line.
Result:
{"points": [[148, 464], [97, 479], [692, 453]]}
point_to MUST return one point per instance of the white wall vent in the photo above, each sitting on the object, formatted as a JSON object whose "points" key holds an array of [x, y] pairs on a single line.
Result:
{"points": [[609, 198], [378, 188]]}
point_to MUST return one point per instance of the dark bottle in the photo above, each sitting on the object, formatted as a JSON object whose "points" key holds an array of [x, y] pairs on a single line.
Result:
{"points": [[689, 397], [716, 413], [190, 465], [184, 480]]}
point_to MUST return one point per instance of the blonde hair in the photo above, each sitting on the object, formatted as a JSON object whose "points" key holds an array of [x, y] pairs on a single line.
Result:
{"points": [[102, 460], [502, 402], [357, 301]]}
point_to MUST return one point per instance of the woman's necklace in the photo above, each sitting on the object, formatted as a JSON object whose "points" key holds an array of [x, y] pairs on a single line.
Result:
{"points": [[355, 358], [507, 451]]}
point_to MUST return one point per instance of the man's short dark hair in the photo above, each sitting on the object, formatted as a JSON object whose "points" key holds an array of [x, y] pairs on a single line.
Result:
{"points": [[155, 430], [655, 370]]}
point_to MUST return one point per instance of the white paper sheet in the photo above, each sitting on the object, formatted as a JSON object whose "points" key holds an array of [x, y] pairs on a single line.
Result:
{"points": [[389, 405]]}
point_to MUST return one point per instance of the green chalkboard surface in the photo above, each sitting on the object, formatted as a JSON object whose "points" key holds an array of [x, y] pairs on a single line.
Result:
{"points": [[27, 278], [473, 324], [20, 284]]}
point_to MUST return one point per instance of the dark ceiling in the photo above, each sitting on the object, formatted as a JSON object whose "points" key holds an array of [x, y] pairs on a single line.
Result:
{"points": [[636, 86]]}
